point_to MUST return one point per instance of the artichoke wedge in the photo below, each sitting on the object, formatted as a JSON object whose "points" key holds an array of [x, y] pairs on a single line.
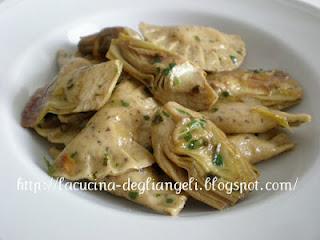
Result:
{"points": [[274, 89], [184, 139], [97, 45], [239, 117], [78, 87], [204, 47], [168, 76], [108, 145], [260, 147]]}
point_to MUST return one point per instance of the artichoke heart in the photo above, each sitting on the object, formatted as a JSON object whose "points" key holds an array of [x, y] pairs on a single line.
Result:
{"points": [[239, 117], [259, 147], [204, 47], [189, 141], [274, 89], [97, 45], [168, 76]]}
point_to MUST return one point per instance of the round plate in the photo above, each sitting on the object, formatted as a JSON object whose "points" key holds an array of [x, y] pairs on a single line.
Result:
{"points": [[278, 34]]}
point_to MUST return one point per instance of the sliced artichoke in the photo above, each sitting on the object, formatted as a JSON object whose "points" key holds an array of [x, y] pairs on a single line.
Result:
{"points": [[108, 145], [260, 147], [79, 87], [274, 89], [168, 76], [160, 200], [204, 47], [239, 117], [97, 45], [184, 139]]}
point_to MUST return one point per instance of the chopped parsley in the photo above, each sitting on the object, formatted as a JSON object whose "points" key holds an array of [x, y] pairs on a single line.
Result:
{"points": [[257, 70], [146, 117], [133, 195], [183, 112], [197, 38], [50, 167], [168, 70], [218, 160], [225, 94], [169, 200], [70, 86], [74, 154], [196, 123], [157, 59], [194, 144], [166, 114], [214, 109], [124, 103], [94, 175], [234, 59], [176, 81], [187, 136]]}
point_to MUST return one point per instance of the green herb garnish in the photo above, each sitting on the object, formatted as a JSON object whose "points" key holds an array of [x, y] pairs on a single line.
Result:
{"points": [[176, 81], [197, 38], [234, 59], [218, 160], [196, 123], [166, 114], [187, 136], [146, 117], [257, 70], [124, 103], [169, 200], [74, 154], [225, 94], [214, 109], [50, 167], [168, 70], [194, 144], [157, 59], [133, 195], [183, 112], [70, 86]]}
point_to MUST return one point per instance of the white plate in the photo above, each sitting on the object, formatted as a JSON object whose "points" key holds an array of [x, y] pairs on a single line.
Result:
{"points": [[278, 34]]}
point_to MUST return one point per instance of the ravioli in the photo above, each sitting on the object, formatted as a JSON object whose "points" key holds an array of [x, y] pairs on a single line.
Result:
{"points": [[195, 144], [82, 88], [168, 76], [162, 201], [204, 47], [62, 129], [107, 146], [274, 89]]}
